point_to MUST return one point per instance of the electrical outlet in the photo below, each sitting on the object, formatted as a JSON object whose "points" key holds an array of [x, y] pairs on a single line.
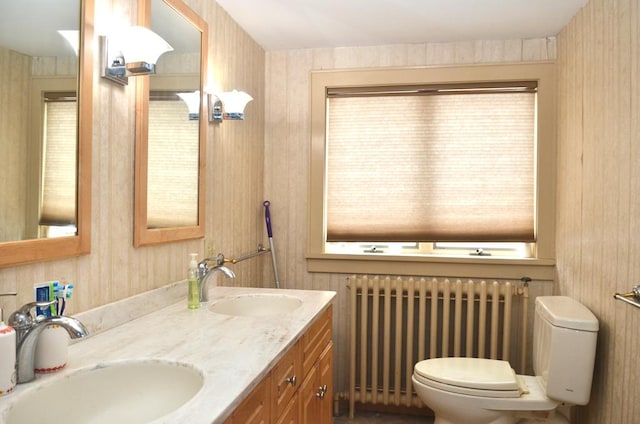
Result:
{"points": [[209, 249]]}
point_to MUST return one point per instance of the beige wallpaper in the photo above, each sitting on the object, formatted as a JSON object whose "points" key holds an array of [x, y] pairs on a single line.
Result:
{"points": [[14, 107], [287, 146], [598, 185], [115, 269]]}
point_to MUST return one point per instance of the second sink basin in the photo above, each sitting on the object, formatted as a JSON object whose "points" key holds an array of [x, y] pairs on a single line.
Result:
{"points": [[127, 392], [256, 305]]}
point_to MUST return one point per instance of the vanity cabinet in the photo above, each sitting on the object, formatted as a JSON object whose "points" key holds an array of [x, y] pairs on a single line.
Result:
{"points": [[299, 388]]}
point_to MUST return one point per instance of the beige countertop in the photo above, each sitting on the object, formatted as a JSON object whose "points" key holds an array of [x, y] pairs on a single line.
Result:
{"points": [[232, 352]]}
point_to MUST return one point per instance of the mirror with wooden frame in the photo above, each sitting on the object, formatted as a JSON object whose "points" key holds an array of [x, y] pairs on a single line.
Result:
{"points": [[46, 57], [171, 129]]}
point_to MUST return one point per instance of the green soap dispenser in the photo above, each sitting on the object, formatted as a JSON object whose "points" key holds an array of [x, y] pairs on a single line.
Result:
{"points": [[193, 296]]}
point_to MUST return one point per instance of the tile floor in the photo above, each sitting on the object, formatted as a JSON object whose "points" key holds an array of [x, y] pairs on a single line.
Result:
{"points": [[378, 418]]}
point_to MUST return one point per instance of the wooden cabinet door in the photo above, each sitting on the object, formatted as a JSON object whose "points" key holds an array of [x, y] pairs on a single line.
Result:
{"points": [[309, 405], [316, 339], [286, 377], [290, 414], [316, 392], [255, 408], [325, 384]]}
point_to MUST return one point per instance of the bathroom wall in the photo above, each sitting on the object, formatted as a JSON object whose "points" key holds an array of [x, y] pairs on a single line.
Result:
{"points": [[598, 217], [115, 269], [15, 69], [287, 146]]}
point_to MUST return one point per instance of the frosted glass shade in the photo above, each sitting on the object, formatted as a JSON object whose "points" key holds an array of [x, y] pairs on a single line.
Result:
{"points": [[192, 99], [140, 45], [234, 103]]}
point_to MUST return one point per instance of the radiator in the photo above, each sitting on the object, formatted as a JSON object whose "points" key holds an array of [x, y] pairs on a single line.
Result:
{"points": [[396, 322]]}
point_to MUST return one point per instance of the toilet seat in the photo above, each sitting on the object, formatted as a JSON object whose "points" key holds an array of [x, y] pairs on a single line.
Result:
{"points": [[470, 376], [534, 399]]}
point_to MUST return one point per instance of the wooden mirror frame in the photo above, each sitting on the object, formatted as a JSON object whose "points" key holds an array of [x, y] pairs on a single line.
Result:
{"points": [[38, 250], [142, 235]]}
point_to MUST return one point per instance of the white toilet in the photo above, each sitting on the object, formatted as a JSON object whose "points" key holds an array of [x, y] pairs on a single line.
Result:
{"points": [[486, 391]]}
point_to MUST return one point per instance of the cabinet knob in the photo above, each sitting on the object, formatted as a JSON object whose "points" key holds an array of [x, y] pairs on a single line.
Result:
{"points": [[291, 380], [322, 390]]}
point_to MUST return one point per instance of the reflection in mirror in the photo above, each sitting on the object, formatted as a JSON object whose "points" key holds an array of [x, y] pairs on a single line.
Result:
{"points": [[45, 129], [169, 132], [172, 188], [39, 137]]}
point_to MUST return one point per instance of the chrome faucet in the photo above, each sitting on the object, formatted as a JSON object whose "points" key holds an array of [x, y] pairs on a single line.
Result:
{"points": [[205, 271], [28, 331]]}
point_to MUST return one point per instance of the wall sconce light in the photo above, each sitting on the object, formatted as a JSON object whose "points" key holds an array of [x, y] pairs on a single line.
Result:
{"points": [[229, 105], [132, 52], [72, 37], [192, 99]]}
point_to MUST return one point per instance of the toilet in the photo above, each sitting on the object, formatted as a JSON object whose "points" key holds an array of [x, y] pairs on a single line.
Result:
{"points": [[487, 391]]}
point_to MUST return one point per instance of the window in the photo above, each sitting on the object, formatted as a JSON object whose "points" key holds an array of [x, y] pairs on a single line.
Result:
{"points": [[413, 158], [431, 163]]}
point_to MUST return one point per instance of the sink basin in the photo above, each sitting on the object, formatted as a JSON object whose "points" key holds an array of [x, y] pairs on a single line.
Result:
{"points": [[133, 392], [256, 305]]}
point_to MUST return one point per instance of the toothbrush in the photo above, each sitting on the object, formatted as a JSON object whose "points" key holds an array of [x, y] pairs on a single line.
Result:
{"points": [[63, 303], [66, 294], [53, 288], [57, 292]]}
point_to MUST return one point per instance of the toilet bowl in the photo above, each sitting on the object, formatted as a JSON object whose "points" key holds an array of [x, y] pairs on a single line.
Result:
{"points": [[479, 391], [488, 391]]}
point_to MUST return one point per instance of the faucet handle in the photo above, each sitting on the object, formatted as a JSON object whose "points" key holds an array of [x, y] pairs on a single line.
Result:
{"points": [[219, 260], [22, 317]]}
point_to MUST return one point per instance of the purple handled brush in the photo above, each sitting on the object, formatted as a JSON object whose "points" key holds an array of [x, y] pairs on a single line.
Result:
{"points": [[267, 219]]}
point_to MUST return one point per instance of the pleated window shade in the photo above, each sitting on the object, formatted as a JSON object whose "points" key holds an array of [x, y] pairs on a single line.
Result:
{"points": [[432, 164], [58, 201], [173, 164]]}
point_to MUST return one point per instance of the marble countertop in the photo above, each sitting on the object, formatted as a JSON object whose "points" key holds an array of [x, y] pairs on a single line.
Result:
{"points": [[234, 353]]}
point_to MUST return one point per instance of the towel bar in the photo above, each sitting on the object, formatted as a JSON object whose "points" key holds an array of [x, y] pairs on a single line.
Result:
{"points": [[632, 297]]}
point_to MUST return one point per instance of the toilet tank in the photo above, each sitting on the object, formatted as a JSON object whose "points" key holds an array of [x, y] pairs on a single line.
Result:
{"points": [[564, 348]]}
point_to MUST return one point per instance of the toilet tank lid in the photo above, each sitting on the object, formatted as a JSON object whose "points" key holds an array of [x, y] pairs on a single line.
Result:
{"points": [[565, 312]]}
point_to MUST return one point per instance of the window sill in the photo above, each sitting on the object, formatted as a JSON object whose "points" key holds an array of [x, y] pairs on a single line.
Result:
{"points": [[475, 267]]}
